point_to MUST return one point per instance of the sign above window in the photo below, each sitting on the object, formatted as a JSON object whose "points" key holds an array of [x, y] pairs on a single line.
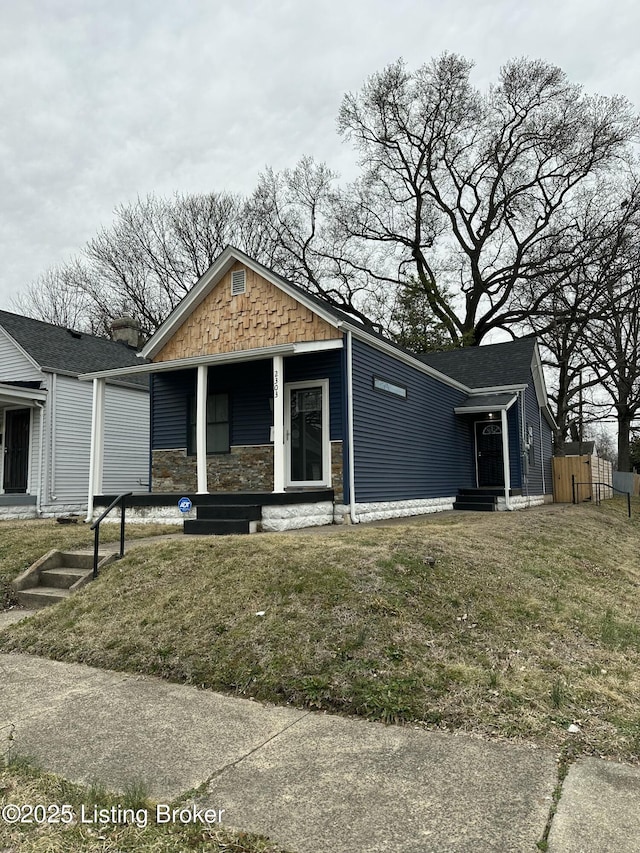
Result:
{"points": [[389, 387]]}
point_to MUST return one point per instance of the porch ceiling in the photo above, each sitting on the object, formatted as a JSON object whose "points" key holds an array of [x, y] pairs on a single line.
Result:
{"points": [[10, 395]]}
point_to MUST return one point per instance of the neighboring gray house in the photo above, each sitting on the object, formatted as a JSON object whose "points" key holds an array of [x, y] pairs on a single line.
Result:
{"points": [[45, 418]]}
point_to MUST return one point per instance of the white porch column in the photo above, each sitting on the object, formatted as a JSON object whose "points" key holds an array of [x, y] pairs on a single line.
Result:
{"points": [[505, 458], [201, 429], [278, 423], [96, 454]]}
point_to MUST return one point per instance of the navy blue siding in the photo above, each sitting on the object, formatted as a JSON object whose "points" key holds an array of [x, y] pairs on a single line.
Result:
{"points": [[407, 448], [249, 385], [321, 365], [170, 392], [250, 388], [542, 447]]}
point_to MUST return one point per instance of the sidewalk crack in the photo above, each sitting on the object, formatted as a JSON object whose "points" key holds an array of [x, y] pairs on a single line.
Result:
{"points": [[202, 788], [568, 755]]}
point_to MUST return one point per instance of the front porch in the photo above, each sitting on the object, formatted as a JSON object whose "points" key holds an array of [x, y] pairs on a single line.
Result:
{"points": [[231, 512]]}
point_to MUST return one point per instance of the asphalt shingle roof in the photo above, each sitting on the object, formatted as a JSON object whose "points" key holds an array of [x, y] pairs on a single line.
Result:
{"points": [[488, 366], [64, 351]]}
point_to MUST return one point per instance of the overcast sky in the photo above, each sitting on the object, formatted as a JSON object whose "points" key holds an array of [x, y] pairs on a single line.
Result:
{"points": [[103, 101]]}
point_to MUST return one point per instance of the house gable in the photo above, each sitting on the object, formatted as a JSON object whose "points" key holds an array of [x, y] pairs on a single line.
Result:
{"points": [[16, 365], [263, 316]]}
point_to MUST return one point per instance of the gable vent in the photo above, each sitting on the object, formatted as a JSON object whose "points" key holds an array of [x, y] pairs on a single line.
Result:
{"points": [[238, 282]]}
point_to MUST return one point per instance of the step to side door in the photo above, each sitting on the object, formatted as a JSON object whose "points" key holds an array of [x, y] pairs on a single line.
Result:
{"points": [[476, 502]]}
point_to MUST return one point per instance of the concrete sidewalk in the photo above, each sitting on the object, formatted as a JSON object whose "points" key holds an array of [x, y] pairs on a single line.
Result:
{"points": [[315, 783]]}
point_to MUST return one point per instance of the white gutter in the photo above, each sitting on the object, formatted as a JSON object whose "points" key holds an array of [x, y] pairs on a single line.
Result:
{"points": [[352, 478], [195, 361]]}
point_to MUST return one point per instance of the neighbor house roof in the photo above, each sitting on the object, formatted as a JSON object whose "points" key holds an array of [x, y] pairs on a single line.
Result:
{"points": [[487, 366], [60, 350]]}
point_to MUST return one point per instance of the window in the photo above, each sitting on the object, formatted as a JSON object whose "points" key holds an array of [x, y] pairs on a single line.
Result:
{"points": [[389, 387], [218, 431]]}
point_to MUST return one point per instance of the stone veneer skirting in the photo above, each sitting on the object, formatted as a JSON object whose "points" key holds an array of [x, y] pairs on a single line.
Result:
{"points": [[400, 509], [247, 468]]}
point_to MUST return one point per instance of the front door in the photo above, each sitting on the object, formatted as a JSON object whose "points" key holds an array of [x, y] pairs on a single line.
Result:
{"points": [[308, 450], [16, 450], [489, 455]]}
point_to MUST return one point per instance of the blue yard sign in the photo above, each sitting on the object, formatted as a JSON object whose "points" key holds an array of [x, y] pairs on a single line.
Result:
{"points": [[184, 505]]}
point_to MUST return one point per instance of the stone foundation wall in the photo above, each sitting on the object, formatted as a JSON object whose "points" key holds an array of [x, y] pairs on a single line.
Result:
{"points": [[337, 469], [244, 469], [247, 468], [17, 512]]}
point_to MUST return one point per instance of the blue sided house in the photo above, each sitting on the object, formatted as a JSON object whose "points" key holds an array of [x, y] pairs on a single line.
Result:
{"points": [[265, 397]]}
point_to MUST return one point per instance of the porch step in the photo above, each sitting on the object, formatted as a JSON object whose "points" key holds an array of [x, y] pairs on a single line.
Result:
{"points": [[475, 500], [217, 527], [235, 512], [224, 519], [474, 506]]}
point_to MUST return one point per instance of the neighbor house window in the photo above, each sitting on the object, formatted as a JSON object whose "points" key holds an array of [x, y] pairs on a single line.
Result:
{"points": [[389, 387], [218, 430]]}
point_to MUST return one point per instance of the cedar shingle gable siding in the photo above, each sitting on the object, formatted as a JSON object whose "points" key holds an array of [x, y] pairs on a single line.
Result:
{"points": [[263, 316]]}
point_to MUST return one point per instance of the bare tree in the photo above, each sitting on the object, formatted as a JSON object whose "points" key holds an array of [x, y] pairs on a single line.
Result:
{"points": [[59, 296], [294, 212], [465, 187], [142, 265]]}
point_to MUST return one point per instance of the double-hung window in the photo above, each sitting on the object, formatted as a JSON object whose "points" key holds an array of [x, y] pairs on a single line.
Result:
{"points": [[218, 424]]}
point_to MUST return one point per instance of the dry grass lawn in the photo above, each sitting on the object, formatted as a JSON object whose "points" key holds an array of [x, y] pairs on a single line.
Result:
{"points": [[526, 623], [21, 784]]}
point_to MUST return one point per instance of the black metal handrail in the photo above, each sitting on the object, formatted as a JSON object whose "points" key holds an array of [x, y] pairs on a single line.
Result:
{"points": [[96, 528], [574, 483]]}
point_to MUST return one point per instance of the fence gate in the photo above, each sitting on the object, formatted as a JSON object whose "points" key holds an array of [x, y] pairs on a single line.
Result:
{"points": [[587, 470]]}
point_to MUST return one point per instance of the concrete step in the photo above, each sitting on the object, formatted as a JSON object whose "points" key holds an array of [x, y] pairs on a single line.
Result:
{"points": [[63, 577], [230, 511], [475, 507], [225, 527], [41, 596], [79, 559]]}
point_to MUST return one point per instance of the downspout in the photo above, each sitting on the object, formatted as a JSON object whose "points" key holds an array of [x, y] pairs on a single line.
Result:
{"points": [[52, 408], [544, 484], [96, 451], [505, 456], [40, 407], [524, 462], [352, 478]]}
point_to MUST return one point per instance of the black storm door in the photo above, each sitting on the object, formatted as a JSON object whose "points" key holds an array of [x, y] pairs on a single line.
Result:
{"points": [[489, 454], [16, 450]]}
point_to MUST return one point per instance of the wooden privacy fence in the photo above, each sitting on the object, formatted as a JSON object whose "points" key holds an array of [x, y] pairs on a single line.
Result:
{"points": [[587, 471]]}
